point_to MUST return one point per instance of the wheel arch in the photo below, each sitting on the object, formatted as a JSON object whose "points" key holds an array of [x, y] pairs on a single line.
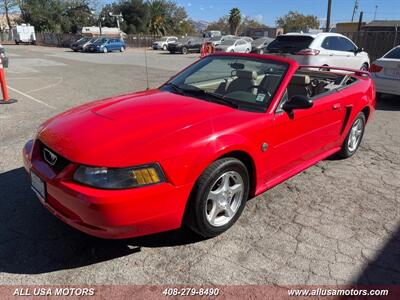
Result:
{"points": [[366, 111]]}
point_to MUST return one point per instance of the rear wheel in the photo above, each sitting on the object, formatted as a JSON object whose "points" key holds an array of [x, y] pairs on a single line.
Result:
{"points": [[164, 47], [354, 137], [219, 197], [184, 50], [122, 49]]}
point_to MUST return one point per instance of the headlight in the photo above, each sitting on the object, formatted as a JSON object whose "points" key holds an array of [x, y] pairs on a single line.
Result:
{"points": [[119, 178]]}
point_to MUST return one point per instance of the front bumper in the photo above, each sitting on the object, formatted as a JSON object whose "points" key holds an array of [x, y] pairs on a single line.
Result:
{"points": [[107, 213]]}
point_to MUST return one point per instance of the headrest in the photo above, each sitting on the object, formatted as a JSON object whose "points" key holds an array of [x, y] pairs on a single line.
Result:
{"points": [[299, 79], [246, 74]]}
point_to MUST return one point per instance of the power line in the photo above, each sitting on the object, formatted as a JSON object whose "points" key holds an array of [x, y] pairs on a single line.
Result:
{"points": [[354, 10]]}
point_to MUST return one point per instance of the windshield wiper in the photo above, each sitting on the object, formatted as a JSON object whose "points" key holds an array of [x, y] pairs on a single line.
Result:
{"points": [[216, 97], [175, 87]]}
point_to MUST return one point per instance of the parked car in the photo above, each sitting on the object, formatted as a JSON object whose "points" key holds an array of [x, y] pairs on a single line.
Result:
{"points": [[258, 45], [386, 72], [162, 44], [233, 126], [24, 33], [320, 49], [186, 45], [86, 45], [234, 45], [78, 44], [212, 33], [247, 38], [3, 56], [107, 45]]}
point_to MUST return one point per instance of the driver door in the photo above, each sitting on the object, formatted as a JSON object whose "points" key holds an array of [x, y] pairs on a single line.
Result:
{"points": [[303, 135]]}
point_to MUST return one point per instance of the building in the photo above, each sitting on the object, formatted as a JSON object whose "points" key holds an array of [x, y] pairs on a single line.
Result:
{"points": [[387, 25], [271, 32], [348, 27]]}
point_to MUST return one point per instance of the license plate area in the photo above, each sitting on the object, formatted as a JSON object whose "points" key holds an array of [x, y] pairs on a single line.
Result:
{"points": [[38, 186]]}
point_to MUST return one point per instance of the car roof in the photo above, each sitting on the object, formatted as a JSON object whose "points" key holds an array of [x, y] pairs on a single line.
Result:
{"points": [[314, 35]]}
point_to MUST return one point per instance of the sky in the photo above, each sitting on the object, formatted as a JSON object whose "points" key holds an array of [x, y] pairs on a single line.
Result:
{"points": [[267, 11]]}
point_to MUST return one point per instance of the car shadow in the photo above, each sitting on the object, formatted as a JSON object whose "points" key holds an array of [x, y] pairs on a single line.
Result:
{"points": [[33, 241], [384, 268], [388, 102]]}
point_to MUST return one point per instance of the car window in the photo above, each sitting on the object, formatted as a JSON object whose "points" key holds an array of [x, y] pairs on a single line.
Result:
{"points": [[394, 53], [346, 45], [290, 43], [331, 43]]}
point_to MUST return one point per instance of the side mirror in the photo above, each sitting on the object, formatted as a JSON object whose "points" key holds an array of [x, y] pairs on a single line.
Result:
{"points": [[297, 102], [358, 50]]}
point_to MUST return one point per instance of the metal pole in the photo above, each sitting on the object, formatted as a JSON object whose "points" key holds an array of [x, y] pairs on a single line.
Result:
{"points": [[360, 21], [328, 16], [376, 10], [354, 10]]}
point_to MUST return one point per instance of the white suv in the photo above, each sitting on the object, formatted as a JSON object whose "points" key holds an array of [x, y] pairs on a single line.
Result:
{"points": [[320, 49], [163, 42]]}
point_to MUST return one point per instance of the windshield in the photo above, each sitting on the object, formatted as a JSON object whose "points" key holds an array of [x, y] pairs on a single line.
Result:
{"points": [[259, 42], [241, 82], [81, 41], [228, 42], [290, 43], [164, 39], [215, 38]]}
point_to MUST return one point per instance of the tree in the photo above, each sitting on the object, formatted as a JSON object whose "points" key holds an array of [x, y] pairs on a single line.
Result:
{"points": [[134, 12], [222, 25], [166, 16], [248, 23], [7, 6], [295, 21], [234, 20]]}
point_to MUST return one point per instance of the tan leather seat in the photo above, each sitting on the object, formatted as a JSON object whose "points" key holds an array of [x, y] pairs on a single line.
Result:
{"points": [[245, 81], [299, 85]]}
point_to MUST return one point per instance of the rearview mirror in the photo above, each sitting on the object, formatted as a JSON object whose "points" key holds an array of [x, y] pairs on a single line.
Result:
{"points": [[297, 102], [358, 50]]}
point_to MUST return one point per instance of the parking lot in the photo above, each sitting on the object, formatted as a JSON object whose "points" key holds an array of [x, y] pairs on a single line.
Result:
{"points": [[335, 223]]}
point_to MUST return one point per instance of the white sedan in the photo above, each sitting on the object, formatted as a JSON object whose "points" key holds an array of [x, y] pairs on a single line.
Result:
{"points": [[386, 72], [234, 45]]}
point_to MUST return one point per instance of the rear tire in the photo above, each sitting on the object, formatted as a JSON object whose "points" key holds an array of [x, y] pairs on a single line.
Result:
{"points": [[218, 198], [184, 50], [354, 137]]}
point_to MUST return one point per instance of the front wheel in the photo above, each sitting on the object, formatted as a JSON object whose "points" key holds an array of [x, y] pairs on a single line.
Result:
{"points": [[354, 137], [164, 47], [184, 50], [105, 50], [122, 49], [364, 67], [219, 197]]}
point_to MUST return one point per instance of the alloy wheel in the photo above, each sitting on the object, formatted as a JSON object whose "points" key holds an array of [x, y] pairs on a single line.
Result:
{"points": [[355, 135], [224, 198]]}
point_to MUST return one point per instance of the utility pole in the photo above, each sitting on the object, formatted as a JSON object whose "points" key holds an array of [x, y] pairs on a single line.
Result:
{"points": [[354, 10], [360, 20], [376, 10], [328, 16]]}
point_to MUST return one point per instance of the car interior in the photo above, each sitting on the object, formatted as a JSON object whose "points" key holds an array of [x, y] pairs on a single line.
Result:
{"points": [[245, 85]]}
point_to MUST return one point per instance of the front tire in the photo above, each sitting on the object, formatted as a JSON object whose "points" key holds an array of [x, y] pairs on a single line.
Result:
{"points": [[354, 137], [184, 50], [122, 49], [364, 67], [164, 47], [219, 197], [105, 50]]}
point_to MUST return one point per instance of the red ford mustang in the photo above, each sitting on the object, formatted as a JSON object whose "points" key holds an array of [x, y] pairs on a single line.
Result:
{"points": [[192, 152]]}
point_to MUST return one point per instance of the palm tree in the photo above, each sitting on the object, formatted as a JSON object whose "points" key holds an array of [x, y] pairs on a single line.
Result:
{"points": [[234, 20], [158, 24]]}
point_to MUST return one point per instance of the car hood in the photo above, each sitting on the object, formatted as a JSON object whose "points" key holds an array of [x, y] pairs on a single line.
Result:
{"points": [[131, 129], [224, 47]]}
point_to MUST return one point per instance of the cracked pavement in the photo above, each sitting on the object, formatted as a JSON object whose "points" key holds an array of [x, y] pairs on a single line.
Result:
{"points": [[335, 223]]}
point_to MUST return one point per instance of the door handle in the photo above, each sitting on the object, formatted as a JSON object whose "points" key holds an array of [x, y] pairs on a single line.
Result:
{"points": [[336, 106]]}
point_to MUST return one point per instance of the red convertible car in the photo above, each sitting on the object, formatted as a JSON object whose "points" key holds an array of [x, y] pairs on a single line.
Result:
{"points": [[225, 129]]}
